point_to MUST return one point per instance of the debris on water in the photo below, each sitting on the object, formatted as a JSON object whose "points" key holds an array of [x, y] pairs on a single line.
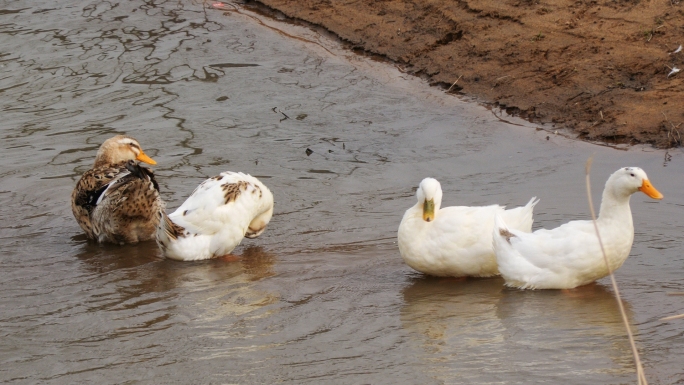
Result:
{"points": [[222, 98], [277, 110], [223, 6], [301, 116], [452, 86], [308, 151], [329, 151], [673, 71]]}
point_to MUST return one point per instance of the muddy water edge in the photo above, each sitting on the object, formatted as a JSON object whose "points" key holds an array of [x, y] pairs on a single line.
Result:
{"points": [[322, 296]]}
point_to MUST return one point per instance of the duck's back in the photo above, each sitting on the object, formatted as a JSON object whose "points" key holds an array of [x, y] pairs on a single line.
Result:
{"points": [[230, 197]]}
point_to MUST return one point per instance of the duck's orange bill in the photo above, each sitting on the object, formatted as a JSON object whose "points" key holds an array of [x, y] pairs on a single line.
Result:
{"points": [[429, 210], [648, 189], [144, 158]]}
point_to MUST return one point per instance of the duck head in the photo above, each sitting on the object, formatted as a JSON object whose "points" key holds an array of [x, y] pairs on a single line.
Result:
{"points": [[119, 149], [430, 197], [628, 180]]}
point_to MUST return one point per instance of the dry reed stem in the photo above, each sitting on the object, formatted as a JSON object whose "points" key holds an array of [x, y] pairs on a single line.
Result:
{"points": [[670, 318], [641, 377], [452, 86]]}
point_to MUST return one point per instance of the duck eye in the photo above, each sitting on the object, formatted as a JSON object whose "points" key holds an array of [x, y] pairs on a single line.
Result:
{"points": [[632, 174]]}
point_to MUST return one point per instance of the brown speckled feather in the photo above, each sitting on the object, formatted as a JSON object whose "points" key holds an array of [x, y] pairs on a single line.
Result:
{"points": [[232, 191], [171, 229], [128, 207]]}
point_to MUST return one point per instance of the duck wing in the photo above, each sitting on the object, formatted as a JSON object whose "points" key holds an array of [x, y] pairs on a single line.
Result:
{"points": [[88, 191], [562, 257]]}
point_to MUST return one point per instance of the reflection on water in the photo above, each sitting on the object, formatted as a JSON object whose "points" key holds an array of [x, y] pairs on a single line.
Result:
{"points": [[462, 327], [140, 308], [138, 271], [323, 295]]}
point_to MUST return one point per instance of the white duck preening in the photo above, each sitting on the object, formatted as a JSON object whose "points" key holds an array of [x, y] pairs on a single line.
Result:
{"points": [[453, 241], [570, 255], [214, 219]]}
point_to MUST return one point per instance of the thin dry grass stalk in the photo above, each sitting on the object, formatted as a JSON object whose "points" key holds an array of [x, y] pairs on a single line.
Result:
{"points": [[452, 86], [670, 318], [641, 377]]}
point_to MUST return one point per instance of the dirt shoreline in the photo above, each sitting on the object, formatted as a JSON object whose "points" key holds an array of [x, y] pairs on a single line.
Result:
{"points": [[599, 68]]}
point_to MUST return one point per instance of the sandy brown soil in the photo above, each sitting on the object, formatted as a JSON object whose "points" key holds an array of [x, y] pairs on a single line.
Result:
{"points": [[597, 67]]}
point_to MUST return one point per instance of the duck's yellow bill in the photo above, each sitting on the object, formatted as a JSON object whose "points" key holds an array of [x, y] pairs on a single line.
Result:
{"points": [[429, 210], [144, 158], [648, 189]]}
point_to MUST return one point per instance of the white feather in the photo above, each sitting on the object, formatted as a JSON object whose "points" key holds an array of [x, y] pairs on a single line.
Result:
{"points": [[110, 185], [673, 71]]}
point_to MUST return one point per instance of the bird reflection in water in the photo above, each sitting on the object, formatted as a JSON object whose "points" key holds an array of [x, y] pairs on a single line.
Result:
{"points": [[461, 327]]}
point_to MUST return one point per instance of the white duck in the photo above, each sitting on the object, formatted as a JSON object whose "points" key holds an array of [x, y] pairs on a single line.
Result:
{"points": [[454, 241], [214, 219], [570, 255]]}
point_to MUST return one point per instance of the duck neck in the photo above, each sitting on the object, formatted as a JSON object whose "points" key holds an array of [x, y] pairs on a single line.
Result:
{"points": [[105, 156], [615, 206], [102, 161], [418, 211]]}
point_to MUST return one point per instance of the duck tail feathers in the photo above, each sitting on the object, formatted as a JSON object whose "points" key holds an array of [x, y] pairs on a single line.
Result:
{"points": [[500, 223], [521, 218], [170, 229], [167, 231]]}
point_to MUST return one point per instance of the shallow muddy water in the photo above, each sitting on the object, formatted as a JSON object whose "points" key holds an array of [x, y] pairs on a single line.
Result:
{"points": [[323, 295]]}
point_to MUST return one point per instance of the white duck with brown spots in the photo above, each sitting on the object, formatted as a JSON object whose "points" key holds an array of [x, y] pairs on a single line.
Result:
{"points": [[216, 217]]}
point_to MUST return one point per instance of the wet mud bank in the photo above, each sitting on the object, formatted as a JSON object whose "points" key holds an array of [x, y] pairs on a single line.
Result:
{"points": [[607, 70]]}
